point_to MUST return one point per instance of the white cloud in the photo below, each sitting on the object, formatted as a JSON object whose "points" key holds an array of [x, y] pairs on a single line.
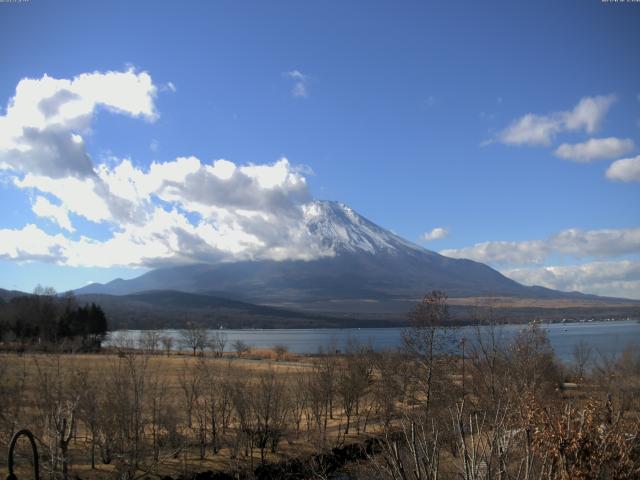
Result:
{"points": [[77, 195], [625, 170], [595, 149], [242, 213], [168, 236], [574, 242], [437, 233], [31, 243], [44, 208], [611, 278], [300, 81], [503, 252], [177, 211], [250, 211], [596, 243], [533, 129], [588, 113], [40, 131], [621, 279]]}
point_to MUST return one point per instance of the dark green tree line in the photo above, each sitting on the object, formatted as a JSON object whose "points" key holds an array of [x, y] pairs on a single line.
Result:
{"points": [[45, 317]]}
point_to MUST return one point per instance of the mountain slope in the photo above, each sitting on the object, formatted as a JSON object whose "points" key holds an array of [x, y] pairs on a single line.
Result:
{"points": [[7, 295], [371, 269], [172, 309]]}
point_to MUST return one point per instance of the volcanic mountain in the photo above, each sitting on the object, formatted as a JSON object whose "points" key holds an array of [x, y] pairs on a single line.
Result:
{"points": [[371, 270]]}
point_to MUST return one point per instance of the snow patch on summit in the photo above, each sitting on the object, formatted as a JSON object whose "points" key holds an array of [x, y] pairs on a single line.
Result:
{"points": [[340, 229]]}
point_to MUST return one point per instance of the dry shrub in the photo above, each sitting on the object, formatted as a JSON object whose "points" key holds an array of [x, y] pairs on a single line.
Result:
{"points": [[584, 443], [276, 354]]}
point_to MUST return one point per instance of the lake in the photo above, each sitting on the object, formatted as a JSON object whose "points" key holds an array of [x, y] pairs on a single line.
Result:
{"points": [[605, 338]]}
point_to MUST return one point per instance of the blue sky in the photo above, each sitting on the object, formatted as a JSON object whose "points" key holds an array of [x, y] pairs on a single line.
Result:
{"points": [[412, 113]]}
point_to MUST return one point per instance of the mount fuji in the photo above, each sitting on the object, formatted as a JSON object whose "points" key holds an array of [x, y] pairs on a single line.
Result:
{"points": [[370, 270]]}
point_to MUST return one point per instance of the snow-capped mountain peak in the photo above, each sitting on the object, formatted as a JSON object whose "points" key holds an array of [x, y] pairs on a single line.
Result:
{"points": [[340, 229]]}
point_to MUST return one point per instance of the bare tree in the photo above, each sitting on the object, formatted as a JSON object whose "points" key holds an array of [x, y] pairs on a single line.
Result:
{"points": [[243, 412], [227, 375], [149, 341], [321, 388], [167, 343], [531, 362], [190, 381], [270, 411], [484, 444], [412, 452], [280, 349], [354, 379], [195, 338], [217, 343], [88, 385], [214, 400], [426, 339], [488, 359], [57, 402], [388, 385], [581, 357], [125, 404], [202, 409], [13, 385], [241, 348], [298, 400]]}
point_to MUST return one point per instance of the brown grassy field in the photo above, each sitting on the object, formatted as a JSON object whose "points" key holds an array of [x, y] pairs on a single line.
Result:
{"points": [[172, 372], [174, 414], [517, 302]]}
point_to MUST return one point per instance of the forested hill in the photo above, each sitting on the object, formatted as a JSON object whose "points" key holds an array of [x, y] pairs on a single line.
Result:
{"points": [[173, 309], [43, 318]]}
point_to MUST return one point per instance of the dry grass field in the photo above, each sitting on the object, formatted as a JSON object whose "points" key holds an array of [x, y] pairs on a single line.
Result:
{"points": [[178, 380], [501, 411]]}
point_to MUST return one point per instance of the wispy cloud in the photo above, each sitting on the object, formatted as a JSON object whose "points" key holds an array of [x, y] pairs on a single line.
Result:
{"points": [[575, 242], [535, 129], [437, 233], [524, 261], [430, 101], [620, 279], [625, 170], [595, 149], [167, 87], [300, 83]]}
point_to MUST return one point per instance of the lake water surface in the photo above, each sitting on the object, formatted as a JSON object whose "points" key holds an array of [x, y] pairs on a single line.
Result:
{"points": [[605, 338]]}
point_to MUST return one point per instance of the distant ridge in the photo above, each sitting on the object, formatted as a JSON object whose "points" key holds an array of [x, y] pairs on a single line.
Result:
{"points": [[7, 295], [370, 262], [172, 309]]}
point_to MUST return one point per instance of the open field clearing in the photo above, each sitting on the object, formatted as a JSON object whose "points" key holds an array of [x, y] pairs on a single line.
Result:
{"points": [[499, 409]]}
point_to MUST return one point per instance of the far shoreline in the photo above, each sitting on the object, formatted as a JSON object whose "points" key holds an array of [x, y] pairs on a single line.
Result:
{"points": [[389, 326]]}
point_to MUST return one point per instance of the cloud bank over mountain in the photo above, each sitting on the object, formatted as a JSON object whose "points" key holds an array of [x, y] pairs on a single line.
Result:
{"points": [[524, 260], [176, 211]]}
